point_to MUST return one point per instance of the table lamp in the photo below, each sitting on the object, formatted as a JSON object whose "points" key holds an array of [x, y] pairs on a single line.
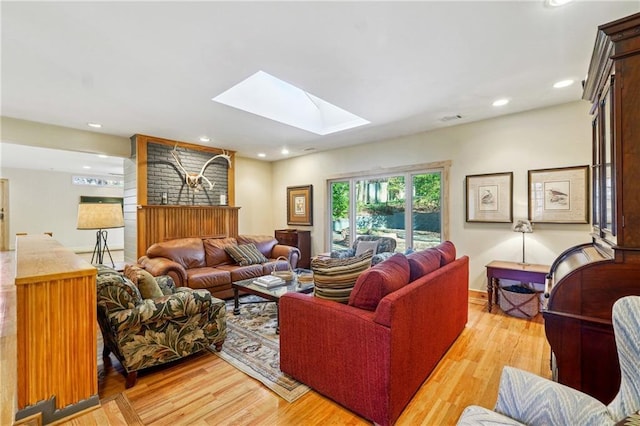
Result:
{"points": [[100, 216], [526, 227]]}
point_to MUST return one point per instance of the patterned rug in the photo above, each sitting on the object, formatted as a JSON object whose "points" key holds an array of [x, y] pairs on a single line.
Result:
{"points": [[253, 347]]}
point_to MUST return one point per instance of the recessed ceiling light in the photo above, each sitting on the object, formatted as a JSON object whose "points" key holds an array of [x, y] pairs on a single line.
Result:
{"points": [[86, 167], [267, 96], [94, 125], [205, 139], [262, 154], [500, 102], [103, 156], [284, 151], [563, 83]]}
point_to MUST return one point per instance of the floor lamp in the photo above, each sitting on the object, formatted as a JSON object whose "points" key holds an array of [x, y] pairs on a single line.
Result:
{"points": [[100, 216], [526, 227]]}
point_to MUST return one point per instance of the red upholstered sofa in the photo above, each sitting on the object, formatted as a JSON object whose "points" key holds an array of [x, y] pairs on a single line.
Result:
{"points": [[373, 354]]}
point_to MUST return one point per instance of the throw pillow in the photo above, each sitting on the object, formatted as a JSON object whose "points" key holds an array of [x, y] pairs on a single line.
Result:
{"points": [[246, 254], [448, 251], [334, 278], [423, 262], [146, 283], [375, 283], [366, 245]]}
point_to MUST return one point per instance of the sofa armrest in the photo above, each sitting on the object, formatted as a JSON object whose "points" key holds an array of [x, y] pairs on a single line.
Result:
{"points": [[157, 266], [531, 399], [342, 253], [475, 415], [338, 350], [381, 257], [183, 303], [291, 253]]}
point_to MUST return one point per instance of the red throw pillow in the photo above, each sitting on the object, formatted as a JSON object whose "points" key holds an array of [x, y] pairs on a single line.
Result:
{"points": [[448, 251], [376, 282], [423, 262]]}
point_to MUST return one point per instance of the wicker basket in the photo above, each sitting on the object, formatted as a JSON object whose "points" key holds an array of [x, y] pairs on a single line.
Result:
{"points": [[287, 275], [519, 301]]}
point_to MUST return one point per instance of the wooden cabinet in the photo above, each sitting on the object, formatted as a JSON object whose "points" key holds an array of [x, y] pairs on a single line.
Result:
{"points": [[612, 85], [586, 280], [56, 330], [297, 238]]}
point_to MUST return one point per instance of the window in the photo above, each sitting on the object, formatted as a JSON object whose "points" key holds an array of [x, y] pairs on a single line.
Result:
{"points": [[408, 205]]}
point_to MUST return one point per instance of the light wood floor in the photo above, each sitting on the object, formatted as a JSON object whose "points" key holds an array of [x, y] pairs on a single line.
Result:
{"points": [[205, 390]]}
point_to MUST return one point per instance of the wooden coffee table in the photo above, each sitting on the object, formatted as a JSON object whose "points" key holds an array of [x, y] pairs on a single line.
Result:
{"points": [[272, 294]]}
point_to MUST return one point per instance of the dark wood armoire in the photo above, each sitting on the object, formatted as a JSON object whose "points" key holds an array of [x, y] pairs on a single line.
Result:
{"points": [[586, 280]]}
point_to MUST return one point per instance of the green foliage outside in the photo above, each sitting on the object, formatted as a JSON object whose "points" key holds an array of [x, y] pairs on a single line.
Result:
{"points": [[340, 200], [426, 196]]}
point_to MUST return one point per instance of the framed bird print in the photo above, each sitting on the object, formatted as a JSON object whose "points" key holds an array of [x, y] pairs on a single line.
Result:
{"points": [[559, 195], [489, 197]]}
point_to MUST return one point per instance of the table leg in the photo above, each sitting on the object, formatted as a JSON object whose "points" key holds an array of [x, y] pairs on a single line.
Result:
{"points": [[277, 318], [489, 293], [496, 291], [236, 302]]}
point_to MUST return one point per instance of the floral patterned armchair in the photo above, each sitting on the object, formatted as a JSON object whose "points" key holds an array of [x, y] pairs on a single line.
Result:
{"points": [[527, 399], [143, 333], [385, 248]]}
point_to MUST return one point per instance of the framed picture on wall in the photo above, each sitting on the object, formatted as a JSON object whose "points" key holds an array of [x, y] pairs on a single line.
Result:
{"points": [[489, 197], [299, 205], [559, 195]]}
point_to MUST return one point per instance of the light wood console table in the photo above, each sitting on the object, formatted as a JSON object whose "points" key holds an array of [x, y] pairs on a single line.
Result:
{"points": [[56, 330]]}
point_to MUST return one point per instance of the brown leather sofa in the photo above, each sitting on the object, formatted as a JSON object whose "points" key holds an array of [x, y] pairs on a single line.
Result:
{"points": [[204, 263]]}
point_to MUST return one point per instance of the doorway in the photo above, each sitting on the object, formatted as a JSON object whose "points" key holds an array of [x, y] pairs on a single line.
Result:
{"points": [[4, 214]]}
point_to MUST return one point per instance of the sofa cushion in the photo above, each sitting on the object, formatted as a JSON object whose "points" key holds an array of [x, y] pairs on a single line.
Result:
{"points": [[264, 243], [423, 262], [214, 251], [246, 254], [375, 283], [146, 283], [239, 273], [366, 245], [207, 277], [334, 278], [448, 251], [188, 252]]}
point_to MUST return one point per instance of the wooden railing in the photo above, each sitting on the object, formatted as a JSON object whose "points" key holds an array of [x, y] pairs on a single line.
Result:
{"points": [[161, 223], [56, 329]]}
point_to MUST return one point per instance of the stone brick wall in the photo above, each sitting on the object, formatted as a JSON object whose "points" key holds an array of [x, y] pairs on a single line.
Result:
{"points": [[164, 176]]}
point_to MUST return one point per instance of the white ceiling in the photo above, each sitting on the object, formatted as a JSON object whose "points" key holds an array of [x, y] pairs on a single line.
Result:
{"points": [[153, 67]]}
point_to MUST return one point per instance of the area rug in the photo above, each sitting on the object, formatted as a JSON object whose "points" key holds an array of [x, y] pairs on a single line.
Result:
{"points": [[253, 347]]}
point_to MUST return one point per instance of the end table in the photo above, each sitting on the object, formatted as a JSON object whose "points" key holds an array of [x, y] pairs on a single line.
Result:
{"points": [[523, 272]]}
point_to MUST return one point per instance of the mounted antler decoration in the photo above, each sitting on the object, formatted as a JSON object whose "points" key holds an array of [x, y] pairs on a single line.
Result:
{"points": [[194, 180]]}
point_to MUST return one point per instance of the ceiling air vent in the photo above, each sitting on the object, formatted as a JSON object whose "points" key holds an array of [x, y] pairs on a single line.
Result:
{"points": [[451, 117]]}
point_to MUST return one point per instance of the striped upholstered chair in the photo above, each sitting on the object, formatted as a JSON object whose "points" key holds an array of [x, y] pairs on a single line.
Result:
{"points": [[524, 398]]}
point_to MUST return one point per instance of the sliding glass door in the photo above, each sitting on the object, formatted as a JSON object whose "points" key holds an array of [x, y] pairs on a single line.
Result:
{"points": [[404, 206]]}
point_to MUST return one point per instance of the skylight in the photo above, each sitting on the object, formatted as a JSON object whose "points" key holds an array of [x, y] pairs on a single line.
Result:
{"points": [[267, 96]]}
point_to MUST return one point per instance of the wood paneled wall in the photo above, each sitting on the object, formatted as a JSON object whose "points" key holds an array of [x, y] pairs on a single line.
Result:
{"points": [[56, 325], [161, 223]]}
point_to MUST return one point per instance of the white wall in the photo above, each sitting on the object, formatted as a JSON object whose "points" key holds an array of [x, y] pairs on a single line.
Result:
{"points": [[254, 196], [546, 138], [45, 201]]}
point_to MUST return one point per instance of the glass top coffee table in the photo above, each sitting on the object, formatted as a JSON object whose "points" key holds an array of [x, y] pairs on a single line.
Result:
{"points": [[272, 294]]}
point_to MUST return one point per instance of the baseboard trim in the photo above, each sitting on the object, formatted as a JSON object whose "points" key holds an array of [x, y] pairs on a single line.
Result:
{"points": [[478, 297], [48, 413]]}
